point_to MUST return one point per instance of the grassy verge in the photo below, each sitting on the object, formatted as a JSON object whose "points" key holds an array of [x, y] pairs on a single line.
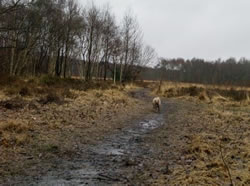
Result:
{"points": [[209, 139], [206, 93]]}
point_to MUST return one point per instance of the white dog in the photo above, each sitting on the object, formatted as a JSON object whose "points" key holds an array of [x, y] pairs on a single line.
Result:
{"points": [[156, 103]]}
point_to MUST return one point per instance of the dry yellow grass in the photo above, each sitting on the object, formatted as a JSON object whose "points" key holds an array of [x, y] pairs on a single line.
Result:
{"points": [[207, 93], [170, 84], [221, 151], [14, 132], [211, 145], [13, 126], [3, 95], [52, 116], [214, 122]]}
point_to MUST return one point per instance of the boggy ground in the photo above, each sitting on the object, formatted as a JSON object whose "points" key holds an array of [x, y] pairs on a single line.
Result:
{"points": [[189, 143], [199, 145], [41, 124]]}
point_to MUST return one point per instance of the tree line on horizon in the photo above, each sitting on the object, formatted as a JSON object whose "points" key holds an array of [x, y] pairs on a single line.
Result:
{"points": [[56, 36], [220, 72], [62, 38]]}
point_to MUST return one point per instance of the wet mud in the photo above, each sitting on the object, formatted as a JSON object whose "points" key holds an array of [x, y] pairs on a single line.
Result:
{"points": [[112, 161]]}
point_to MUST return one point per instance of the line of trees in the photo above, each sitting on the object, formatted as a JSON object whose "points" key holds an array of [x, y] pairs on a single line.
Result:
{"points": [[56, 36], [226, 72]]}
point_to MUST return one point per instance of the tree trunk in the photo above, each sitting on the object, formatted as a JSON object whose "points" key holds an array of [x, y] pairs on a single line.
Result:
{"points": [[115, 73], [106, 60], [57, 67], [12, 60], [121, 71], [88, 73], [65, 62]]}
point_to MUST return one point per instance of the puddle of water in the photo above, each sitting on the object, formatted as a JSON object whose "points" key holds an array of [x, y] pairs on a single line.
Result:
{"points": [[85, 173], [119, 145], [116, 152], [151, 124], [124, 143], [111, 151]]}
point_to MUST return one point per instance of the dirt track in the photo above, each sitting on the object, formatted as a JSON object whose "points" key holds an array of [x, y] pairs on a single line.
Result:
{"points": [[154, 149], [114, 160]]}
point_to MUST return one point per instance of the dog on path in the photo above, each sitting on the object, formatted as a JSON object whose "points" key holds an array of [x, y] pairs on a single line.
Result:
{"points": [[157, 104]]}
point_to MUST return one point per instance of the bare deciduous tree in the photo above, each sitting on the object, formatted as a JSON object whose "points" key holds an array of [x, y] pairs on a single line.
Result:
{"points": [[57, 37]]}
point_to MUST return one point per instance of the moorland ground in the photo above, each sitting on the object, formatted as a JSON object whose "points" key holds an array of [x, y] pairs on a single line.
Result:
{"points": [[203, 139]]}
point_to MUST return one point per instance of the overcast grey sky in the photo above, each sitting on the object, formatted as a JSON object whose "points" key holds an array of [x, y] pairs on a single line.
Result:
{"points": [[209, 29]]}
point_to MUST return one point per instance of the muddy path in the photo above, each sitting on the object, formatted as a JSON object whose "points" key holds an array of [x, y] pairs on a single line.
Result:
{"points": [[113, 161]]}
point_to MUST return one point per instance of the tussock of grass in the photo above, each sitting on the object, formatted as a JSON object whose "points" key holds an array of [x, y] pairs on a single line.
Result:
{"points": [[13, 132], [130, 86], [24, 91], [51, 97], [13, 126], [203, 92], [14, 103]]}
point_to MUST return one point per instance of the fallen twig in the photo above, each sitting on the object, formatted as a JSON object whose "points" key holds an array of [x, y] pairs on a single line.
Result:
{"points": [[101, 176], [225, 165]]}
